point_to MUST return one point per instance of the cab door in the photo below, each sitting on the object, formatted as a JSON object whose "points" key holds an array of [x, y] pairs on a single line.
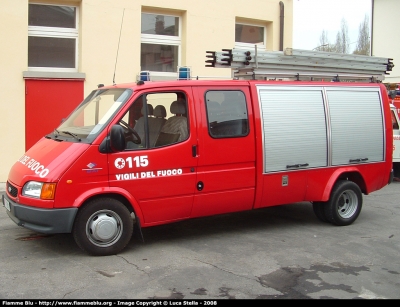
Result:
{"points": [[159, 176], [226, 151]]}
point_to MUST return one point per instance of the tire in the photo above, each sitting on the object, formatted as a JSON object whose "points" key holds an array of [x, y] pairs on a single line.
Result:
{"points": [[103, 227], [319, 211], [345, 203]]}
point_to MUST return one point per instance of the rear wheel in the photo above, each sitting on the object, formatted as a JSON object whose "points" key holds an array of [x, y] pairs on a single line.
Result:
{"points": [[345, 203], [103, 227], [319, 211]]}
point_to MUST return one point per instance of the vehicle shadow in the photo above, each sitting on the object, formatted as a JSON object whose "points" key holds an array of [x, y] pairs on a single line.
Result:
{"points": [[270, 220]]}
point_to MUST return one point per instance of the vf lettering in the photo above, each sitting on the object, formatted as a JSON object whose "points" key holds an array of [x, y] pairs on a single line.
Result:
{"points": [[35, 166], [169, 172], [160, 173]]}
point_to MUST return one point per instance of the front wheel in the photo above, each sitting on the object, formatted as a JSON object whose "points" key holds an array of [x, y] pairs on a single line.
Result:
{"points": [[344, 205], [103, 227]]}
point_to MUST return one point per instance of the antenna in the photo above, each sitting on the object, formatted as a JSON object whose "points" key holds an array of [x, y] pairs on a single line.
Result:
{"points": [[116, 58]]}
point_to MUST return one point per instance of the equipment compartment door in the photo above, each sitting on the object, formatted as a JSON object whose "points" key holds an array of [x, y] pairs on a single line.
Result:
{"points": [[295, 140]]}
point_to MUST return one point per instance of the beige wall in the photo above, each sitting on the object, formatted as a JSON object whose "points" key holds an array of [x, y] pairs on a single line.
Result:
{"points": [[14, 59], [386, 41], [208, 25]]}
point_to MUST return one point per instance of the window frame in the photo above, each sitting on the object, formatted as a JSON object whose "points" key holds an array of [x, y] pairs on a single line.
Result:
{"points": [[228, 118], [57, 32], [154, 98], [242, 45], [168, 40]]}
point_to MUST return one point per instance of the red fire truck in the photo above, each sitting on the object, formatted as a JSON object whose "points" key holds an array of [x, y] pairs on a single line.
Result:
{"points": [[148, 153]]}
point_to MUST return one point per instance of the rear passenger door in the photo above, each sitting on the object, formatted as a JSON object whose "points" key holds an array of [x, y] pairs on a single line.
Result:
{"points": [[226, 151]]}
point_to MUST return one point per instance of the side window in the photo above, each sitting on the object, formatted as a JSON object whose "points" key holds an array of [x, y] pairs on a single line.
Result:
{"points": [[156, 120], [52, 37], [226, 114], [160, 42]]}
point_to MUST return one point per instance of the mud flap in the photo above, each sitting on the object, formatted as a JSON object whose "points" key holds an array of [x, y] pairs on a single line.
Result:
{"points": [[137, 230]]}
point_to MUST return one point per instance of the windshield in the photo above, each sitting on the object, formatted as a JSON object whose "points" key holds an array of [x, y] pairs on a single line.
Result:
{"points": [[93, 114]]}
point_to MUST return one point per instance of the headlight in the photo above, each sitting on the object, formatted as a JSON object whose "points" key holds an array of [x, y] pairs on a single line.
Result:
{"points": [[32, 188], [39, 190]]}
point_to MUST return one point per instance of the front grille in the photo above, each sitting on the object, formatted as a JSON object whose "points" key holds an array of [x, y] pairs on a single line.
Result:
{"points": [[13, 191]]}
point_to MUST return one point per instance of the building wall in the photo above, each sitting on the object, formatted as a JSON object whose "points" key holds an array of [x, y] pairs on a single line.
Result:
{"points": [[207, 25], [385, 42], [13, 61]]}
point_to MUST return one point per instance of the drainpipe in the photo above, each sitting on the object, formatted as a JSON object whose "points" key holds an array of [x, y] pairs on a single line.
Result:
{"points": [[281, 26]]}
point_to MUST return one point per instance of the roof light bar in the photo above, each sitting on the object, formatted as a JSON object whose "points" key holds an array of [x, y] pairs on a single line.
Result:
{"points": [[184, 73], [144, 76]]}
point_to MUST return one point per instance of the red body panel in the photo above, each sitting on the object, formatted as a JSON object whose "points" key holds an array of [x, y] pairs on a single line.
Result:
{"points": [[46, 161], [87, 177]]}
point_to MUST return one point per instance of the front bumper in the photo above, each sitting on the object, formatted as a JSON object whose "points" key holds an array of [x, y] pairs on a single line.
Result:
{"points": [[48, 221]]}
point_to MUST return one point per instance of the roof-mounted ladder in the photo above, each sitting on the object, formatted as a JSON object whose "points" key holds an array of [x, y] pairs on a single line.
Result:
{"points": [[299, 64]]}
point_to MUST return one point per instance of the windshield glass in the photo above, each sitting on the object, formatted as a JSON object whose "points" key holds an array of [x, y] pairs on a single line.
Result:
{"points": [[93, 114]]}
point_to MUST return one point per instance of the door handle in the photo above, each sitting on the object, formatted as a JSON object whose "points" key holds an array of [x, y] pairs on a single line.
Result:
{"points": [[358, 160], [200, 185], [297, 165]]}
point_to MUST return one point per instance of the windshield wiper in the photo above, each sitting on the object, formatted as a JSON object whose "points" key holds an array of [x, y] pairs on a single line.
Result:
{"points": [[56, 133], [72, 134]]}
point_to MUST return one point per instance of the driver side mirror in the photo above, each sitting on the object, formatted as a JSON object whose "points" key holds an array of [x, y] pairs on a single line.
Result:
{"points": [[117, 138]]}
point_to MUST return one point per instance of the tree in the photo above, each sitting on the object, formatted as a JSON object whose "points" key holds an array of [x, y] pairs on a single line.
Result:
{"points": [[323, 41], [324, 44], [363, 42], [338, 44], [342, 38], [341, 44]]}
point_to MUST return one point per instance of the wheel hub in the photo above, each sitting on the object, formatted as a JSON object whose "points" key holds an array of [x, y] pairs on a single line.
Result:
{"points": [[103, 228], [347, 204]]}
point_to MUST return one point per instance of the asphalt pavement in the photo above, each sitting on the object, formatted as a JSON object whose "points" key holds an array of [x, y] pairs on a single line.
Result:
{"points": [[282, 252]]}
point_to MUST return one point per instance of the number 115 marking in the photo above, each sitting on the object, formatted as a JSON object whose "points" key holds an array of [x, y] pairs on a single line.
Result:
{"points": [[140, 161]]}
